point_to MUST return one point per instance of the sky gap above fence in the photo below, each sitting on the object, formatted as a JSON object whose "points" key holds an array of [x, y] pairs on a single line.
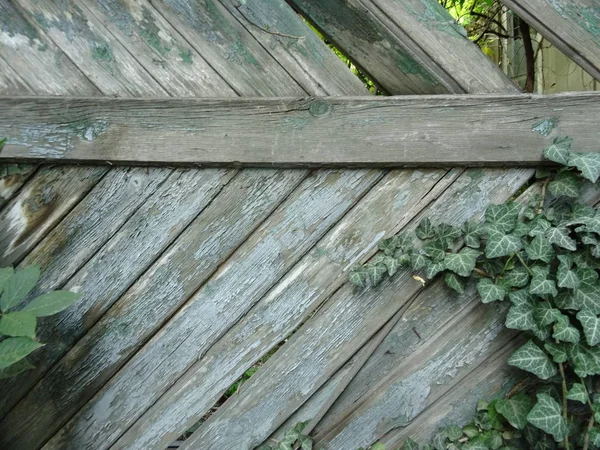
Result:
{"points": [[443, 130]]}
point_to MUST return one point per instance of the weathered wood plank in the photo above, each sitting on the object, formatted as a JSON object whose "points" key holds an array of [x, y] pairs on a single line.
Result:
{"points": [[573, 26], [320, 272], [228, 47], [158, 47], [408, 47], [71, 244], [39, 205], [11, 82], [218, 304], [29, 51], [337, 331], [91, 48], [333, 131], [296, 47]]}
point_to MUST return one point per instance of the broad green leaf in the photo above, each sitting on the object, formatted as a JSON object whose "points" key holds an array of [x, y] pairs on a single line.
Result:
{"points": [[409, 444], [559, 151], [545, 315], [455, 282], [471, 233], [542, 172], [500, 244], [567, 278], [15, 369], [565, 184], [558, 351], [515, 410], [540, 284], [547, 416], [522, 229], [419, 261], [504, 217], [540, 249], [375, 272], [448, 234], [425, 230], [520, 298], [463, 262], [391, 264], [492, 266], [561, 238], [439, 441], [470, 430], [18, 286], [520, 318], [306, 443], [578, 393], [2, 141], [454, 433], [20, 323], [388, 246], [531, 358], [16, 348], [595, 438], [539, 227], [435, 249], [5, 274], [378, 446], [490, 292], [565, 332], [403, 241], [591, 326], [591, 224], [585, 359], [358, 277], [587, 163], [587, 296], [517, 277], [433, 269]]}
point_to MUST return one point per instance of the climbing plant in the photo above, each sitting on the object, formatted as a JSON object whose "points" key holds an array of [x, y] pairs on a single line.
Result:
{"points": [[542, 255]]}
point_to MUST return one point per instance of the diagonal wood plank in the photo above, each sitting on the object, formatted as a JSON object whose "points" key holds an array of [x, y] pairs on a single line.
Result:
{"points": [[404, 45], [333, 131], [309, 283], [573, 26], [218, 304], [341, 327]]}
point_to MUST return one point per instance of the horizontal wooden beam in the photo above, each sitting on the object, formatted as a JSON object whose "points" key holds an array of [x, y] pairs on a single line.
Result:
{"points": [[471, 130]]}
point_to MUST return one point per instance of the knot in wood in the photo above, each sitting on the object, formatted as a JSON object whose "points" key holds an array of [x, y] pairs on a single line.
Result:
{"points": [[319, 108]]}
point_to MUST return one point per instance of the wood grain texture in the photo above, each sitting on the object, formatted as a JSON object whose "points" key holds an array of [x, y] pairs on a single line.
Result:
{"points": [[228, 47], [408, 46], [158, 47], [11, 82], [333, 131], [320, 272], [337, 331], [573, 26], [218, 304], [296, 47]]}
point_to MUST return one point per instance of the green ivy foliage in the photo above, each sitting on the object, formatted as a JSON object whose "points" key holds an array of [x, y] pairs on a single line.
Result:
{"points": [[18, 325], [543, 257]]}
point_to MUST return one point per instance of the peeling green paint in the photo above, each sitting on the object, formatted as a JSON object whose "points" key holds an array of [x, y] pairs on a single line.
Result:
{"points": [[545, 126], [186, 56], [586, 16], [294, 123], [149, 32], [101, 52], [435, 15]]}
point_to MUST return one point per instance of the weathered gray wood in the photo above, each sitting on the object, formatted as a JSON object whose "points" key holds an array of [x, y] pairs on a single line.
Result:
{"points": [[91, 48], [158, 47], [333, 131], [39, 205], [337, 331], [296, 47], [573, 26], [11, 82], [400, 195], [491, 379], [72, 243], [221, 301], [407, 46], [12, 178], [29, 51], [228, 47]]}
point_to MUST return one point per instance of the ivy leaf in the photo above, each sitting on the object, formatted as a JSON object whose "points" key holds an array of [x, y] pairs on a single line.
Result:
{"points": [[587, 163], [578, 393], [546, 315], [455, 282], [433, 269], [585, 359], [375, 272], [591, 327], [566, 277], [391, 264], [18, 286], [454, 433], [387, 246], [19, 323], [515, 410], [547, 416], [517, 277], [15, 369], [520, 298], [522, 229], [540, 249], [435, 249], [463, 262], [402, 241], [540, 284], [561, 238], [539, 227], [16, 348], [558, 351], [471, 231], [587, 296], [559, 151], [448, 234], [500, 244], [490, 292], [503, 217], [520, 318], [409, 444], [419, 261], [565, 184], [565, 332], [5, 274], [425, 230], [358, 277], [532, 359]]}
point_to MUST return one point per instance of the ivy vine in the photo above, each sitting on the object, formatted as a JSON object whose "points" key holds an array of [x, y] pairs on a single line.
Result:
{"points": [[543, 256]]}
